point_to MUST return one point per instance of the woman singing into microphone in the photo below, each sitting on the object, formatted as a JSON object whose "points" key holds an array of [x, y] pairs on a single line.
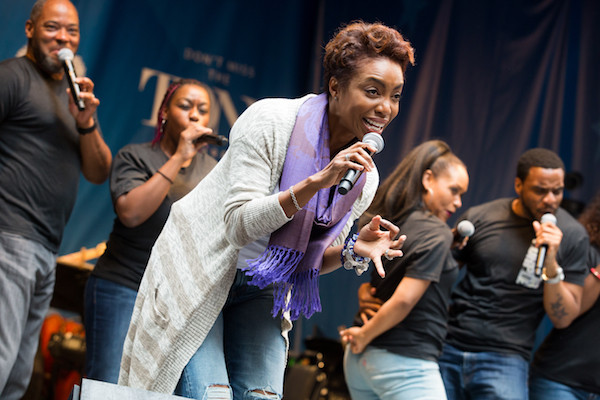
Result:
{"points": [[252, 238], [145, 180]]}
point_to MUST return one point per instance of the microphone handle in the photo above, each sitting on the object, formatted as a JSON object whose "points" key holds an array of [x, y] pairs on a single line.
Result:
{"points": [[350, 178], [74, 86], [541, 257], [217, 140]]}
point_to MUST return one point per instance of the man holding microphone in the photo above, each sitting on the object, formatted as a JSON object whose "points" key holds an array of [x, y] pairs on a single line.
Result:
{"points": [[45, 142], [498, 305]]}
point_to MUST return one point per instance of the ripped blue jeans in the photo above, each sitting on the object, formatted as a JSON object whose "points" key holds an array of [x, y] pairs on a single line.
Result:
{"points": [[244, 352]]}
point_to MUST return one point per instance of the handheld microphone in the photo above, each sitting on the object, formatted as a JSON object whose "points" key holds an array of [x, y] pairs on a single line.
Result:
{"points": [[465, 228], [217, 140], [352, 175], [541, 257], [66, 56]]}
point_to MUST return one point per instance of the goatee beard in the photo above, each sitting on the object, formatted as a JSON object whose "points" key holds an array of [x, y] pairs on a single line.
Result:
{"points": [[45, 61]]}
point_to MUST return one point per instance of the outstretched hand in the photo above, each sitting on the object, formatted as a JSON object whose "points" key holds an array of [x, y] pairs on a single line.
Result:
{"points": [[375, 243]]}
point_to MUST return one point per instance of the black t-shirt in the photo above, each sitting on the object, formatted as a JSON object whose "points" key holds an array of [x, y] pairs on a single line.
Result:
{"points": [[571, 356], [39, 153], [426, 256], [490, 311], [128, 249]]}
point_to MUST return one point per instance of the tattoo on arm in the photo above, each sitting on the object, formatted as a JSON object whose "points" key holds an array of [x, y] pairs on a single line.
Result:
{"points": [[558, 309]]}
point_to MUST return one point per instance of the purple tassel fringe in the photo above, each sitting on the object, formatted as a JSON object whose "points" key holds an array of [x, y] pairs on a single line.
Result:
{"points": [[277, 266]]}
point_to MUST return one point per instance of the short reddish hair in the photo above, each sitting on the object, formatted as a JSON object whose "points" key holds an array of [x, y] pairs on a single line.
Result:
{"points": [[358, 41]]}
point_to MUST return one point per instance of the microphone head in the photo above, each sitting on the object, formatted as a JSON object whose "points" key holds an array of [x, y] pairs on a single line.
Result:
{"points": [[548, 218], [466, 228], [65, 54], [374, 139]]}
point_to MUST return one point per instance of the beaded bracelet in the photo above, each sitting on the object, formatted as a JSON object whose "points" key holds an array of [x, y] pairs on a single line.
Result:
{"points": [[293, 196], [351, 260]]}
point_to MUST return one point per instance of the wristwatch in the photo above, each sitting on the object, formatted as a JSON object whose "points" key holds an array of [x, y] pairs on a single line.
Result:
{"points": [[560, 276]]}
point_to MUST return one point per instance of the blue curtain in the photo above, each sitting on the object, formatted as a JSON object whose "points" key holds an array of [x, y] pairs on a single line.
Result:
{"points": [[493, 78]]}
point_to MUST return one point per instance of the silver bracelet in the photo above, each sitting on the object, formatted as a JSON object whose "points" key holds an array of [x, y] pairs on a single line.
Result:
{"points": [[294, 199]]}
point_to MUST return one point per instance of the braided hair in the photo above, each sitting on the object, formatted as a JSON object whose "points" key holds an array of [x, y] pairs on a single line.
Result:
{"points": [[160, 121]]}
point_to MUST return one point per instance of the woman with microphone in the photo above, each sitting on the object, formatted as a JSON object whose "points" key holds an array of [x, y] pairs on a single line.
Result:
{"points": [[145, 181], [240, 256], [394, 354]]}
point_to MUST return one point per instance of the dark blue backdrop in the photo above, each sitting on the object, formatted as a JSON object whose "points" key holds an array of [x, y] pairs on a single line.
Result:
{"points": [[493, 78]]}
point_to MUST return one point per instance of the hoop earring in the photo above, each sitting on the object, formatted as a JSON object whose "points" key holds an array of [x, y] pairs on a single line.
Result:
{"points": [[428, 203]]}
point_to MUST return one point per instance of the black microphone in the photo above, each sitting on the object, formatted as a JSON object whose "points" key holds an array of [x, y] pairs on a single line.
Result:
{"points": [[352, 175], [539, 263], [217, 140], [66, 56], [465, 229]]}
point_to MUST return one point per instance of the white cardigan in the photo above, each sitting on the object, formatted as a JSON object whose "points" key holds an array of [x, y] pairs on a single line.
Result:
{"points": [[193, 262]]}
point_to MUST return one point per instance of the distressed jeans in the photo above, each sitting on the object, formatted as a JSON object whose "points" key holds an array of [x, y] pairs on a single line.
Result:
{"points": [[244, 351]]}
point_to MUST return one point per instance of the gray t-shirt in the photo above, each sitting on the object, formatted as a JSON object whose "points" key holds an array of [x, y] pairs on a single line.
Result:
{"points": [[39, 153], [492, 308], [128, 249]]}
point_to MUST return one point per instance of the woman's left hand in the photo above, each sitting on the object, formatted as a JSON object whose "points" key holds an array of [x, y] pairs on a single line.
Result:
{"points": [[375, 243], [355, 338]]}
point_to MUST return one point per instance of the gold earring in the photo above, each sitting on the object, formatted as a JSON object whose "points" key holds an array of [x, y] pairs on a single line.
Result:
{"points": [[428, 203]]}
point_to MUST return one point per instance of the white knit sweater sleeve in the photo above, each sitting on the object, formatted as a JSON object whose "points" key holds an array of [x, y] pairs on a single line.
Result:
{"points": [[259, 141]]}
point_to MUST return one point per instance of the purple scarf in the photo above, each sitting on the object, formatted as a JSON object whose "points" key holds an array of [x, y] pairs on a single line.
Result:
{"points": [[293, 258]]}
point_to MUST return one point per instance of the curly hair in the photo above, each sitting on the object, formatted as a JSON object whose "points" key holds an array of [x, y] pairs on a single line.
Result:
{"points": [[358, 41], [590, 219], [402, 192]]}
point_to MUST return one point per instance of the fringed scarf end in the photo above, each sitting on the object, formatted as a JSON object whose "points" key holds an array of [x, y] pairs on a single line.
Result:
{"points": [[276, 264], [304, 295]]}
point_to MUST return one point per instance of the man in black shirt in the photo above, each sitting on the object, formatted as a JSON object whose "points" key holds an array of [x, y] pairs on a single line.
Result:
{"points": [[500, 302], [567, 364], [45, 142]]}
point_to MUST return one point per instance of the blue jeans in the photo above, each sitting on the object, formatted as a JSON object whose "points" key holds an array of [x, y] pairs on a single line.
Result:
{"points": [[27, 275], [108, 308], [483, 375], [244, 351], [380, 374], [542, 389]]}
